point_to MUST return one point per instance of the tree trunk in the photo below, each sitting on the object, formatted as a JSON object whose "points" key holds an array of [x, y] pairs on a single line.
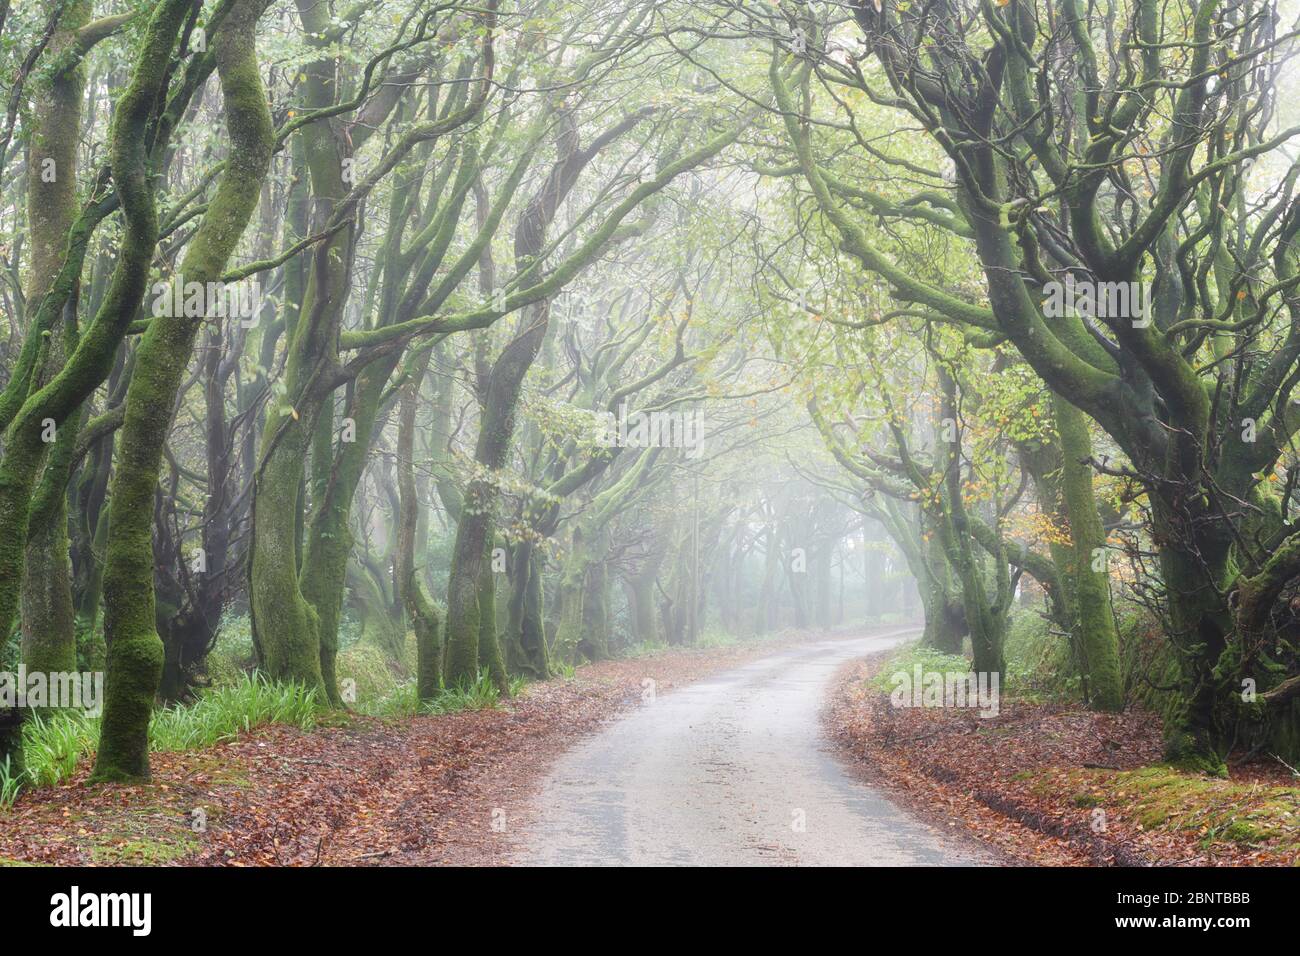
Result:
{"points": [[134, 649], [570, 594], [48, 620], [489, 646], [595, 614], [428, 649], [1098, 639], [525, 628], [473, 531]]}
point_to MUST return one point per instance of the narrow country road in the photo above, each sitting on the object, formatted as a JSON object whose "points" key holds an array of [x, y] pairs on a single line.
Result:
{"points": [[730, 771]]}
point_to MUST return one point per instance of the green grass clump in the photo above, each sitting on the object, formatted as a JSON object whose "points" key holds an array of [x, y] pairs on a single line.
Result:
{"points": [[565, 670], [482, 694], [146, 852], [402, 701], [1039, 662], [11, 782], [470, 697], [54, 744], [908, 656], [223, 713]]}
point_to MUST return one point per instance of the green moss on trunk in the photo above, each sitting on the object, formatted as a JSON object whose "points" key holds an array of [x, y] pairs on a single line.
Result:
{"points": [[428, 650], [489, 645], [135, 653], [1098, 640], [48, 637], [286, 630], [525, 628]]}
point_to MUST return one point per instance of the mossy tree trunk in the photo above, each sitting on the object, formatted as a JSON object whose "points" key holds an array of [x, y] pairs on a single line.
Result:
{"points": [[641, 596], [1087, 567], [490, 657], [428, 647], [286, 630], [525, 619], [315, 595], [501, 390], [329, 540], [408, 512], [465, 620], [286, 626], [1163, 409], [595, 613], [135, 653], [985, 612], [48, 616], [915, 530], [570, 597], [24, 412], [419, 607]]}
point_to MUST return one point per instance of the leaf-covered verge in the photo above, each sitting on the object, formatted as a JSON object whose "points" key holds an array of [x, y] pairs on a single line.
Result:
{"points": [[1048, 782]]}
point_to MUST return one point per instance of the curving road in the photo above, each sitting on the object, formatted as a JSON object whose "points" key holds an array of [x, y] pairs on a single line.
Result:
{"points": [[730, 771]]}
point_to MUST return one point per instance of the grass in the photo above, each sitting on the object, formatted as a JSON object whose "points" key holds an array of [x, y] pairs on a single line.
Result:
{"points": [[223, 713], [565, 670], [145, 852], [10, 783], [53, 745], [714, 638], [482, 694], [1162, 797], [1039, 665], [241, 701], [643, 649], [906, 659]]}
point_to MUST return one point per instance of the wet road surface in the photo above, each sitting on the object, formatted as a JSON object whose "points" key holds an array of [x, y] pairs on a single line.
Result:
{"points": [[731, 770]]}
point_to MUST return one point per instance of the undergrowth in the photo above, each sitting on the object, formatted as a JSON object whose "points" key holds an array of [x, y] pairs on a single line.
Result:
{"points": [[482, 694], [54, 744]]}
